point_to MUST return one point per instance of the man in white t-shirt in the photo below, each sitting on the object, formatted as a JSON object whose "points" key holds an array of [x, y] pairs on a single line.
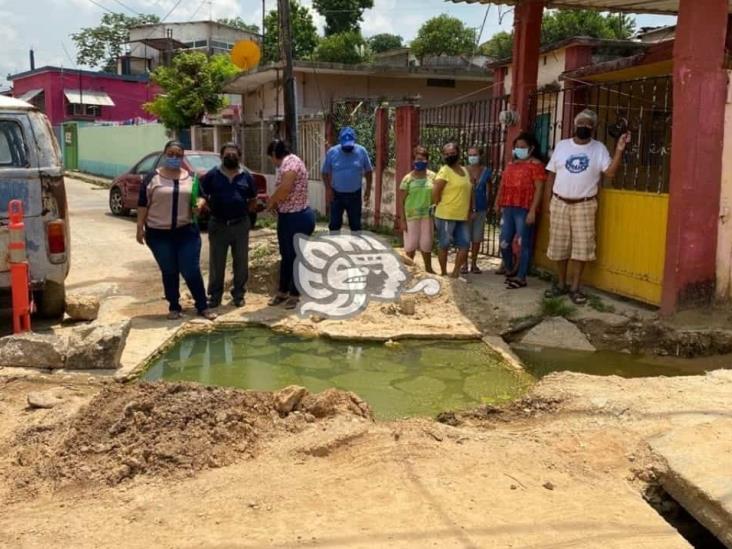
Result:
{"points": [[575, 171]]}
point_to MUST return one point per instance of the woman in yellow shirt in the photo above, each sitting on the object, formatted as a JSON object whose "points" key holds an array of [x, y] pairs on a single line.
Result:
{"points": [[452, 192]]}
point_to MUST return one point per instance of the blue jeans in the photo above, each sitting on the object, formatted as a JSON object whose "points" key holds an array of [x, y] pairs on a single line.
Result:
{"points": [[178, 253], [514, 223], [345, 202], [451, 232], [288, 225]]}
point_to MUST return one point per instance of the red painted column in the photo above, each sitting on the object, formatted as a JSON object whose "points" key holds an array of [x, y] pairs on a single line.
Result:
{"points": [[700, 87], [407, 137], [575, 97], [382, 158], [499, 79], [525, 70]]}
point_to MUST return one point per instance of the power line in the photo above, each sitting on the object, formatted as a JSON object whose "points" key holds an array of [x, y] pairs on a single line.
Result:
{"points": [[100, 6], [125, 6], [197, 10]]}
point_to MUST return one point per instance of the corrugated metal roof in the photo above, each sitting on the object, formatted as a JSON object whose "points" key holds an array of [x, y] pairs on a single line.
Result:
{"points": [[634, 6], [89, 97]]}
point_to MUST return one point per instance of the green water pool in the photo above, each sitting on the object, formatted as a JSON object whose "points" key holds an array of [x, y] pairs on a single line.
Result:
{"points": [[413, 378]]}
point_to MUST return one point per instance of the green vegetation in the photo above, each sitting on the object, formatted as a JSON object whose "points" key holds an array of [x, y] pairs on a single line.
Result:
{"points": [[556, 306], [100, 46], [304, 34], [443, 35], [385, 42], [192, 85], [346, 47], [342, 15], [596, 302], [559, 25]]}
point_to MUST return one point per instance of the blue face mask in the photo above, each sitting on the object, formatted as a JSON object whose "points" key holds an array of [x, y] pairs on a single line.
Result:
{"points": [[420, 165], [521, 154], [173, 162], [347, 148]]}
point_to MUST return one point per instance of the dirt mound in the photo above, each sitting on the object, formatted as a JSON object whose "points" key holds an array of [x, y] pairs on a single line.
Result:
{"points": [[159, 429], [264, 267]]}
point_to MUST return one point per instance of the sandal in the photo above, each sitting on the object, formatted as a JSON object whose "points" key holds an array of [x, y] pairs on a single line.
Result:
{"points": [[515, 284], [291, 302], [276, 300], [577, 297], [475, 270], [464, 270], [556, 291], [501, 271], [175, 315], [208, 314]]}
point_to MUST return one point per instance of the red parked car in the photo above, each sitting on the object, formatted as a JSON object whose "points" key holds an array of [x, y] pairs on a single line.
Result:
{"points": [[125, 188]]}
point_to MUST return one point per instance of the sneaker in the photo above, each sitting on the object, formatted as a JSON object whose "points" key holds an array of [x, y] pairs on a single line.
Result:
{"points": [[238, 302], [175, 315], [208, 314], [213, 303]]}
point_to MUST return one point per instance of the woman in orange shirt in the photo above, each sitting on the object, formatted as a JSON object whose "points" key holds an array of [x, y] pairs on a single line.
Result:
{"points": [[518, 198]]}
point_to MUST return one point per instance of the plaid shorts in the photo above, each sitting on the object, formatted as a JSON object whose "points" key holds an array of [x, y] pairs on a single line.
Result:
{"points": [[572, 230]]}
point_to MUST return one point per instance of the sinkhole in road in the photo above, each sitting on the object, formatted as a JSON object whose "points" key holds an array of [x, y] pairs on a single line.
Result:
{"points": [[408, 378]]}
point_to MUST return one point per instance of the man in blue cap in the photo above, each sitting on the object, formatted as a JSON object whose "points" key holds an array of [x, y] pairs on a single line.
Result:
{"points": [[344, 169]]}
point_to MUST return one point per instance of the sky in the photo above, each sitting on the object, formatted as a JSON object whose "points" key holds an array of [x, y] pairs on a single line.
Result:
{"points": [[46, 25]]}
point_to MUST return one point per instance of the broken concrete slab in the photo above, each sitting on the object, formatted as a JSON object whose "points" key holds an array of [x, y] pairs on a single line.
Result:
{"points": [[97, 346], [558, 333], [698, 462], [31, 350]]}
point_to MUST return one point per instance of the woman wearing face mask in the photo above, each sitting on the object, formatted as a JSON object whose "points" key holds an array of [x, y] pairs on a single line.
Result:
{"points": [[519, 196], [294, 216], [480, 175], [165, 224], [453, 195], [415, 199]]}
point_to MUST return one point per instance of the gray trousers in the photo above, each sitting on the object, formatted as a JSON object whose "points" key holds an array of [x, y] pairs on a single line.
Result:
{"points": [[221, 237]]}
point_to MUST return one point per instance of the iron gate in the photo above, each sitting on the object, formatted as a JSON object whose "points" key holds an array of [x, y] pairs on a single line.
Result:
{"points": [[643, 106], [473, 123]]}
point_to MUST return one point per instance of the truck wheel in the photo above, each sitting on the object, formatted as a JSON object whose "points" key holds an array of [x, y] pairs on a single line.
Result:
{"points": [[51, 301], [116, 203]]}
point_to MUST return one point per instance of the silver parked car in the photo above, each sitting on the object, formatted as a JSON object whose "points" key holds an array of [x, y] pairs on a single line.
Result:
{"points": [[31, 171]]}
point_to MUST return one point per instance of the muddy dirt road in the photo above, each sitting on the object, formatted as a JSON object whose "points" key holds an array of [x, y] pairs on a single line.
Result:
{"points": [[563, 468]]}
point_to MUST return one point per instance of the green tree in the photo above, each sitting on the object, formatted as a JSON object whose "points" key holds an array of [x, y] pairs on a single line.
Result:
{"points": [[384, 42], [443, 35], [239, 23], [346, 47], [499, 46], [304, 34], [559, 25], [191, 85], [342, 15], [100, 46]]}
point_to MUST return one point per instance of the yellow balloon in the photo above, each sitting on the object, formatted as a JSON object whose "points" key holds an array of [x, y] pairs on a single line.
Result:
{"points": [[246, 54]]}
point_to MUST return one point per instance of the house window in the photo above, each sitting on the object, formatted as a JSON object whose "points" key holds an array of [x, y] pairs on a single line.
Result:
{"points": [[440, 83], [12, 145], [74, 109]]}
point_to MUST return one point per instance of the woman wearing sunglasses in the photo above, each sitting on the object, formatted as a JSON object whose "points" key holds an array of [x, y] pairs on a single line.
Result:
{"points": [[165, 224]]}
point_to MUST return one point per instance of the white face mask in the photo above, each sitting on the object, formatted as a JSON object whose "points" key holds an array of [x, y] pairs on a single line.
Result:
{"points": [[474, 160]]}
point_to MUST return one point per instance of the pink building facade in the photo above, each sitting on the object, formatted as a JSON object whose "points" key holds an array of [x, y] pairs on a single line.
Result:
{"points": [[103, 96]]}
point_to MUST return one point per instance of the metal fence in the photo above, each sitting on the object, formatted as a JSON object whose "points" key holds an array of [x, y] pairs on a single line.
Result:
{"points": [[312, 143], [473, 123], [643, 106]]}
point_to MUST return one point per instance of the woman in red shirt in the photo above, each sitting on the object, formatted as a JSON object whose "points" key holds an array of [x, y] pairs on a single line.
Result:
{"points": [[518, 198]]}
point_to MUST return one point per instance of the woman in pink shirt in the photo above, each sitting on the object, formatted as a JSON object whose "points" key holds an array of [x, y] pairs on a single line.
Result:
{"points": [[294, 216]]}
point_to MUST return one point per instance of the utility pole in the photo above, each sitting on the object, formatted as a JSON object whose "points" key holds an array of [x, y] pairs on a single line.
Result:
{"points": [[288, 76]]}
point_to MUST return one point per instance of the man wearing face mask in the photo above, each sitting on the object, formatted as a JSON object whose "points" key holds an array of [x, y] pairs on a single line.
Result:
{"points": [[345, 167], [575, 170], [229, 193]]}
